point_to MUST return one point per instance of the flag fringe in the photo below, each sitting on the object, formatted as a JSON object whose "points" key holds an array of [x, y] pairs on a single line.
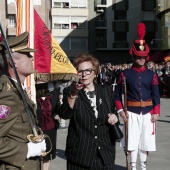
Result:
{"points": [[45, 77]]}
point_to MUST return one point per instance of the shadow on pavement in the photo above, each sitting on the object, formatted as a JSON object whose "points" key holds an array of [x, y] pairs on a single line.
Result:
{"points": [[165, 121], [60, 153]]}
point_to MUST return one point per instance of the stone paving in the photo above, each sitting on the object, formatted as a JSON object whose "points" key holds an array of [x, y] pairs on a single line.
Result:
{"points": [[159, 160]]}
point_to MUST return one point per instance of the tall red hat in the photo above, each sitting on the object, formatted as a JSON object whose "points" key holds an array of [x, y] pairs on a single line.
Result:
{"points": [[139, 47]]}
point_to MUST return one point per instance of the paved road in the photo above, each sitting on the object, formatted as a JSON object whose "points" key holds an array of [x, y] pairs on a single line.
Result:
{"points": [[159, 160]]}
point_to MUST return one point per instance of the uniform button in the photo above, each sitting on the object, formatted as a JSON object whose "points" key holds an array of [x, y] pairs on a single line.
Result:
{"points": [[95, 126], [95, 137], [99, 147]]}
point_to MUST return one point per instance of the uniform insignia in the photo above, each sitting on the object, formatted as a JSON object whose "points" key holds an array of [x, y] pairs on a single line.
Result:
{"points": [[4, 111], [141, 47], [8, 87], [100, 101]]}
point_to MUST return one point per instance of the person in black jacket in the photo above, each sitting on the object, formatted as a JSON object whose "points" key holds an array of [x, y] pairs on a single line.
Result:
{"points": [[90, 108], [47, 101]]}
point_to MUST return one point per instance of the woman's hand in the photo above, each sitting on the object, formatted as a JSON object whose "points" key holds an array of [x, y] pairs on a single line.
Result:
{"points": [[112, 118], [75, 87], [57, 117]]}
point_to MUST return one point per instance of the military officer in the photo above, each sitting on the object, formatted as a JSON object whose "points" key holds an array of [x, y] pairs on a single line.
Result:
{"points": [[16, 151]]}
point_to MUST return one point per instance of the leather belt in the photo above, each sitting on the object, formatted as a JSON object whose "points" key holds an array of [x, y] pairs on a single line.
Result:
{"points": [[139, 104]]}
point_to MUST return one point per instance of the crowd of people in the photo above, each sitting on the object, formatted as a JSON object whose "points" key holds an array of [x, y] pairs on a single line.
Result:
{"points": [[92, 105], [109, 74]]}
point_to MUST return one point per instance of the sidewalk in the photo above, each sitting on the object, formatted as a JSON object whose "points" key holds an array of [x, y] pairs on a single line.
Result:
{"points": [[159, 160]]}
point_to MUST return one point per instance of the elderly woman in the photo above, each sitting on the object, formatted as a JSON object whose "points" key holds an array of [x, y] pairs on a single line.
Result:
{"points": [[90, 108]]}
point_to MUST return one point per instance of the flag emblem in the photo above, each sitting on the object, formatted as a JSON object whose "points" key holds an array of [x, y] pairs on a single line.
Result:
{"points": [[4, 111]]}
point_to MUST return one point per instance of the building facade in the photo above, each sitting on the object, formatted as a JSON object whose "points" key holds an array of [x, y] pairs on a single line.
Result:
{"points": [[163, 13], [115, 25], [104, 28]]}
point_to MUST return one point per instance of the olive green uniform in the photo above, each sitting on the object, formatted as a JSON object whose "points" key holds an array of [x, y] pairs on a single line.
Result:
{"points": [[14, 129]]}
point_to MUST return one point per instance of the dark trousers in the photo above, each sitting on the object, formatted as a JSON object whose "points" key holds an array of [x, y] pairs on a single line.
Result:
{"points": [[96, 165]]}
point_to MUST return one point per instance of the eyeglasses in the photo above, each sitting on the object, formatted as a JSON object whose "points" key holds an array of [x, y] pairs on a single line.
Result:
{"points": [[86, 71], [140, 58]]}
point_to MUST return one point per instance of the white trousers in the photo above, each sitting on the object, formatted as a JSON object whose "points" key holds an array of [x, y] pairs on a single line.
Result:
{"points": [[141, 133]]}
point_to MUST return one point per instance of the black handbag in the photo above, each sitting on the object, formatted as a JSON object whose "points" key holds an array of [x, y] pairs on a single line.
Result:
{"points": [[115, 133], [56, 111]]}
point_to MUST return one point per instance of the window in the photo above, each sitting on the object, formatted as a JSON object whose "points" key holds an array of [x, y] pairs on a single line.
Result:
{"points": [[78, 22], [10, 1], [61, 5], [120, 5], [69, 3], [120, 15], [120, 36], [78, 4], [63, 42], [57, 5], [148, 5], [11, 21], [61, 22], [120, 26], [101, 40], [101, 21], [151, 26], [72, 43], [78, 43], [67, 22], [37, 2]]}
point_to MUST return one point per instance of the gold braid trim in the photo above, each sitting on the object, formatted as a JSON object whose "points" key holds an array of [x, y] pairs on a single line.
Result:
{"points": [[45, 77], [19, 48]]}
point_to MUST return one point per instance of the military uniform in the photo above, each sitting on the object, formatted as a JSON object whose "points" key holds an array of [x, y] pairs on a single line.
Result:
{"points": [[143, 102], [15, 126], [14, 120]]}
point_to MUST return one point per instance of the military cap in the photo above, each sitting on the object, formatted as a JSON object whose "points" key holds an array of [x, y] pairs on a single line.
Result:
{"points": [[139, 47], [167, 58], [17, 44]]}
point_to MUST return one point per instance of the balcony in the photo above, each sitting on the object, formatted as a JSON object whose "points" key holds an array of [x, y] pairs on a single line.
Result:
{"points": [[11, 31], [101, 24], [101, 45], [120, 44], [11, 10], [100, 3]]}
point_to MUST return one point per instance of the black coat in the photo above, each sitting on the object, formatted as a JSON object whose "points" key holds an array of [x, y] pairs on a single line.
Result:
{"points": [[86, 133]]}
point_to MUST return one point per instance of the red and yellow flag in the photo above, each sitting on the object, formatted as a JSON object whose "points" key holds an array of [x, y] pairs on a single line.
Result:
{"points": [[50, 60]]}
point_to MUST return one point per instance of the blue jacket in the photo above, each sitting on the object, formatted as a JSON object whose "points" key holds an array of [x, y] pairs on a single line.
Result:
{"points": [[142, 85]]}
